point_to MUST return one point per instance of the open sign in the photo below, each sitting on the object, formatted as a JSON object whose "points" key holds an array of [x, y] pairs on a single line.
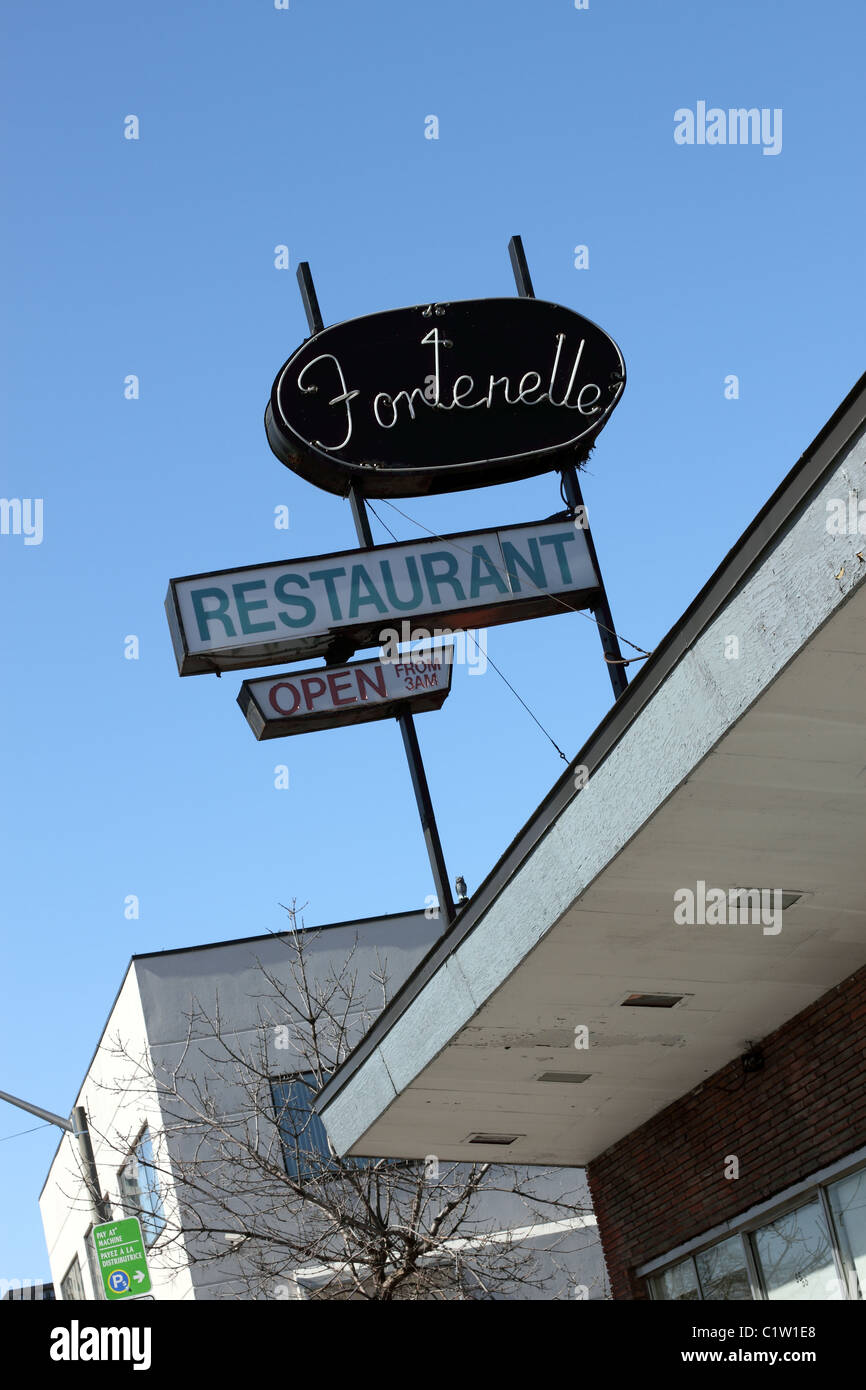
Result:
{"points": [[361, 691]]}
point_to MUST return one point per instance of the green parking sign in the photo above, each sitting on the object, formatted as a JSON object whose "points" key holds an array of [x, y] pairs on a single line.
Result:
{"points": [[121, 1258]]}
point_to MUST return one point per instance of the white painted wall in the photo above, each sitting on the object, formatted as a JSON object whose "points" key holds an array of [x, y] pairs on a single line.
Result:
{"points": [[112, 1114], [148, 1018]]}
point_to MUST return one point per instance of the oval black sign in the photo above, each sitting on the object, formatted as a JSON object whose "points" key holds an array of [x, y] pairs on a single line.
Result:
{"points": [[444, 396]]}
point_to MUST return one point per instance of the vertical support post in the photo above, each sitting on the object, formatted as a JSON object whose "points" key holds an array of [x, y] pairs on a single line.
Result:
{"points": [[521, 268], [310, 298], [601, 609], [423, 800], [571, 487], [424, 803], [360, 518], [420, 785]]}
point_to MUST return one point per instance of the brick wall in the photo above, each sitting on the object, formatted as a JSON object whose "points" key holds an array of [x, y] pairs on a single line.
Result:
{"points": [[664, 1183]]}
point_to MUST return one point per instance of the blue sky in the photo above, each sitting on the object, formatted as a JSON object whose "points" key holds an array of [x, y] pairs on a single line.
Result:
{"points": [[305, 127]]}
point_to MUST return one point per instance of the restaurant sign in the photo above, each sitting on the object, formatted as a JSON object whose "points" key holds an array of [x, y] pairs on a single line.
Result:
{"points": [[292, 610], [442, 397], [301, 702]]}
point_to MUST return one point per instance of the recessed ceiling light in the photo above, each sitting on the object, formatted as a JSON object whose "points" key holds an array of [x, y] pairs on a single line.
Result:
{"points": [[788, 896], [502, 1139], [652, 1001], [574, 1077]]}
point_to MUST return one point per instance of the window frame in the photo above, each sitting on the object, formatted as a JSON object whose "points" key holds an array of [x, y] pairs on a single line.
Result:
{"points": [[816, 1191], [148, 1217], [337, 1172], [289, 1080], [74, 1264], [855, 1291]]}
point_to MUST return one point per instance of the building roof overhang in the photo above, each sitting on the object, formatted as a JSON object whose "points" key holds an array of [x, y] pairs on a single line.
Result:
{"points": [[732, 764]]}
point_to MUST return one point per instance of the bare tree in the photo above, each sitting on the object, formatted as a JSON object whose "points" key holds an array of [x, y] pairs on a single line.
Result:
{"points": [[251, 1183]]}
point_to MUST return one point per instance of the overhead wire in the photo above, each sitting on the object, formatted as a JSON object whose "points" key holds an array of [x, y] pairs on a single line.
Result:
{"points": [[499, 673], [31, 1130], [506, 574]]}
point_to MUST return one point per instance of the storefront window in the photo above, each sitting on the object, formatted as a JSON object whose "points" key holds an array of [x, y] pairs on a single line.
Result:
{"points": [[800, 1255], [678, 1283], [848, 1204], [722, 1271], [796, 1256]]}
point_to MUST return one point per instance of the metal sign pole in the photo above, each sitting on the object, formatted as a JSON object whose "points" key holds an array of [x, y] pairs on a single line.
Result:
{"points": [[85, 1147], [571, 487], [404, 719]]}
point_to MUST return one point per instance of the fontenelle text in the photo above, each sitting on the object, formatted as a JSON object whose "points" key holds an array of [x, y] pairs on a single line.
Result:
{"points": [[387, 408], [396, 406]]}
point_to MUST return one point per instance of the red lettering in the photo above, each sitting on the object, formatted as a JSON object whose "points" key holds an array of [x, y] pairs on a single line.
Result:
{"points": [[376, 682], [274, 702], [335, 687], [309, 694]]}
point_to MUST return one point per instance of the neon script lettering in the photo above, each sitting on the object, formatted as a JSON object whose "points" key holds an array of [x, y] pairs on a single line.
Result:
{"points": [[387, 408]]}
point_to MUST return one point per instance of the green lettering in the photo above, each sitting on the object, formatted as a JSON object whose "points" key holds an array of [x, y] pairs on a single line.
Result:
{"points": [[532, 568], [245, 607], [219, 614], [477, 580], [357, 600], [447, 576], [402, 605], [558, 541], [328, 577], [307, 606]]}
